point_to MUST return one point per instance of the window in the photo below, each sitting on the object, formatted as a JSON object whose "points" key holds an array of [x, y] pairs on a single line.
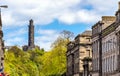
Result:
{"points": [[113, 63], [88, 39], [105, 64], [109, 64], [1, 64], [2, 58]]}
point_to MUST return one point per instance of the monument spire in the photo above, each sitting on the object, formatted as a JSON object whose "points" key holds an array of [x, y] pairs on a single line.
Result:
{"points": [[31, 22], [31, 44], [31, 35]]}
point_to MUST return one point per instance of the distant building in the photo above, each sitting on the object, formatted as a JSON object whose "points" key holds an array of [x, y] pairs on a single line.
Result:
{"points": [[77, 50], [8, 47], [31, 44], [25, 47], [109, 32]]}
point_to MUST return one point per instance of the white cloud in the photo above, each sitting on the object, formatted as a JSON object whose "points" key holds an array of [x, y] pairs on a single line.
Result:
{"points": [[68, 17], [81, 16], [42, 11], [16, 33], [46, 11], [15, 37], [86, 16], [47, 32], [46, 38], [104, 5], [14, 41]]}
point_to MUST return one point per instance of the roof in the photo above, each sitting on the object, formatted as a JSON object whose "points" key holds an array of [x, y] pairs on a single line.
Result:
{"points": [[87, 32]]}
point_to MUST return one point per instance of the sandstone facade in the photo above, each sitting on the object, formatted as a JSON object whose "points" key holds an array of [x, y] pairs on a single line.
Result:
{"points": [[77, 50]]}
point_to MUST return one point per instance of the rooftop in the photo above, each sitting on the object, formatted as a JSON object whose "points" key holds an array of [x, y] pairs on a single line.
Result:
{"points": [[87, 32]]}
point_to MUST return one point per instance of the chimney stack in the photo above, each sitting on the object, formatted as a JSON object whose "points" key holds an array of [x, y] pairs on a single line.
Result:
{"points": [[118, 13], [119, 5]]}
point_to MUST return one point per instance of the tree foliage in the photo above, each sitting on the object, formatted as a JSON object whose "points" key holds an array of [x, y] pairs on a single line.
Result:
{"points": [[55, 60], [67, 34], [38, 62], [20, 63]]}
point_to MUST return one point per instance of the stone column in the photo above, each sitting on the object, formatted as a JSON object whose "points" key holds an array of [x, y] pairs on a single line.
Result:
{"points": [[118, 44]]}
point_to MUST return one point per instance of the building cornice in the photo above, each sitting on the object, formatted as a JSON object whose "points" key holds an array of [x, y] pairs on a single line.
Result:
{"points": [[109, 29]]}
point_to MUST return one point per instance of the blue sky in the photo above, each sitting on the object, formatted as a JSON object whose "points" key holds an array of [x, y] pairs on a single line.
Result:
{"points": [[51, 17]]}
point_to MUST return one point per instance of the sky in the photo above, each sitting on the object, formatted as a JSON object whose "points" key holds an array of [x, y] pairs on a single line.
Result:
{"points": [[50, 18]]}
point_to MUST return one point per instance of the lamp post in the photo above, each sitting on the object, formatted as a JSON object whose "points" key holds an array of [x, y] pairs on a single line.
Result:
{"points": [[2, 6], [2, 43]]}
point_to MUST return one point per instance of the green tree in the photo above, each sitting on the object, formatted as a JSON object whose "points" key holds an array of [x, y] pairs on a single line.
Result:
{"points": [[20, 63], [54, 61], [38, 62]]}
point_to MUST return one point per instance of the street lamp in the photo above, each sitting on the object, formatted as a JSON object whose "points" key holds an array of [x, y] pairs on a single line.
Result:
{"points": [[2, 43], [4, 6]]}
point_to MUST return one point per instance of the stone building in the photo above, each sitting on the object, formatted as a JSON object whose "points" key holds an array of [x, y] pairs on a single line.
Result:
{"points": [[77, 50], [96, 29], [31, 44], [1, 47], [110, 46]]}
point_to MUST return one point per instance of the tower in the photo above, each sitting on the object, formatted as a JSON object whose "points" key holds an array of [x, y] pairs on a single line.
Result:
{"points": [[31, 35], [31, 44]]}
